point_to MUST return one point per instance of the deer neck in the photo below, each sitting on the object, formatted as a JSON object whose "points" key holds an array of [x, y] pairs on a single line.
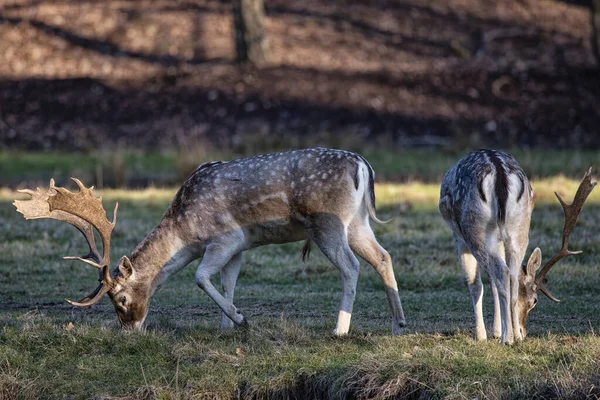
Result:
{"points": [[160, 254]]}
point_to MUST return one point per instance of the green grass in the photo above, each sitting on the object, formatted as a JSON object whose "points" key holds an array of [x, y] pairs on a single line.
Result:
{"points": [[49, 349], [121, 167]]}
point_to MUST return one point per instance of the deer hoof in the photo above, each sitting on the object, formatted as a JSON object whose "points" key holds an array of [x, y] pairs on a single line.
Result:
{"points": [[340, 333], [244, 323]]}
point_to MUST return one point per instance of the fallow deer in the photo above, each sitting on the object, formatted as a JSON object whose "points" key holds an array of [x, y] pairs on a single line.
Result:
{"points": [[487, 201], [224, 208]]}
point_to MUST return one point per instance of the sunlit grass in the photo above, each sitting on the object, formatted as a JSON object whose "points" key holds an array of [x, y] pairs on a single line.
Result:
{"points": [[417, 194]]}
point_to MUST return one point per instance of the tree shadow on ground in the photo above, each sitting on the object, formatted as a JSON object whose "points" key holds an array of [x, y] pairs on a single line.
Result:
{"points": [[523, 85]]}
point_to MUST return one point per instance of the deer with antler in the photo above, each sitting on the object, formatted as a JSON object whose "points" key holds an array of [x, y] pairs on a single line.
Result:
{"points": [[224, 208], [487, 201]]}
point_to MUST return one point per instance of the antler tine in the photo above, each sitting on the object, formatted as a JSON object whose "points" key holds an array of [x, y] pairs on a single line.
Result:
{"points": [[88, 297], [27, 191], [571, 212], [81, 186], [38, 207], [114, 222], [104, 287], [85, 259]]}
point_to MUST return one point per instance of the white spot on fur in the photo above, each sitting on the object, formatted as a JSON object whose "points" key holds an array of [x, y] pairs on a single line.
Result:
{"points": [[279, 195]]}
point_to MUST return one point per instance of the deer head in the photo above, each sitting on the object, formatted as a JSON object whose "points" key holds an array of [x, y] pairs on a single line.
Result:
{"points": [[85, 212], [530, 282]]}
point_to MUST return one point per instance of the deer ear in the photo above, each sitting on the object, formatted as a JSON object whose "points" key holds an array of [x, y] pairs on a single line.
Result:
{"points": [[125, 267], [535, 260]]}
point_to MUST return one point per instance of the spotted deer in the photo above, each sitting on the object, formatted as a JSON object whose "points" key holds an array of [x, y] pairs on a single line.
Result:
{"points": [[487, 201], [224, 208]]}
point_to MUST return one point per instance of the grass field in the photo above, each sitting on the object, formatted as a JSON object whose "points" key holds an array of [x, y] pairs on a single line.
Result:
{"points": [[131, 167], [49, 349]]}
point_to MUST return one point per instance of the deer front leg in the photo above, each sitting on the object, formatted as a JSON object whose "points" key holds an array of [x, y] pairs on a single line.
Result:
{"points": [[514, 307], [216, 256], [497, 313], [497, 320], [500, 277], [229, 275], [514, 258]]}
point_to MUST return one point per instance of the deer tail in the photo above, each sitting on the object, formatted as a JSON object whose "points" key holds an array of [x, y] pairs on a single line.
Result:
{"points": [[369, 194]]}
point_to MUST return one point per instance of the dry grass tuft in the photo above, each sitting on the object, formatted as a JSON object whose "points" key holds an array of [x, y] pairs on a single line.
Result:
{"points": [[13, 385]]}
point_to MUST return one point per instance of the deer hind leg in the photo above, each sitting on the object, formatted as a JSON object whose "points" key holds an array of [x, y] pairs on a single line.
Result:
{"points": [[329, 233], [470, 267], [229, 275], [362, 241], [216, 257]]}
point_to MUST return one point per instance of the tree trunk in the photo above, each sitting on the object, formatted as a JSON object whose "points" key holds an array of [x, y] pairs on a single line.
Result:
{"points": [[250, 40], [596, 29]]}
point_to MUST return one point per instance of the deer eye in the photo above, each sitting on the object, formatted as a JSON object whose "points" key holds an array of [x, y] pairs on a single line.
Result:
{"points": [[123, 300]]}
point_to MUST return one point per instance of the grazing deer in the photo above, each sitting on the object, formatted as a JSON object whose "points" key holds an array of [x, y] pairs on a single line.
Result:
{"points": [[487, 201], [224, 208]]}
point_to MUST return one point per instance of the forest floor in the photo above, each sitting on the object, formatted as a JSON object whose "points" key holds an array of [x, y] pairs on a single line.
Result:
{"points": [[154, 74]]}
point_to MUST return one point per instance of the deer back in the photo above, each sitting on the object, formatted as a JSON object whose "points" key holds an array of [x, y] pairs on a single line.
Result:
{"points": [[487, 187], [271, 188]]}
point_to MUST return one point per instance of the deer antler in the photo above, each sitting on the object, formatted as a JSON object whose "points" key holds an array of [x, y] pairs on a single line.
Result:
{"points": [[38, 207], [84, 205], [106, 283], [83, 211], [572, 212]]}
